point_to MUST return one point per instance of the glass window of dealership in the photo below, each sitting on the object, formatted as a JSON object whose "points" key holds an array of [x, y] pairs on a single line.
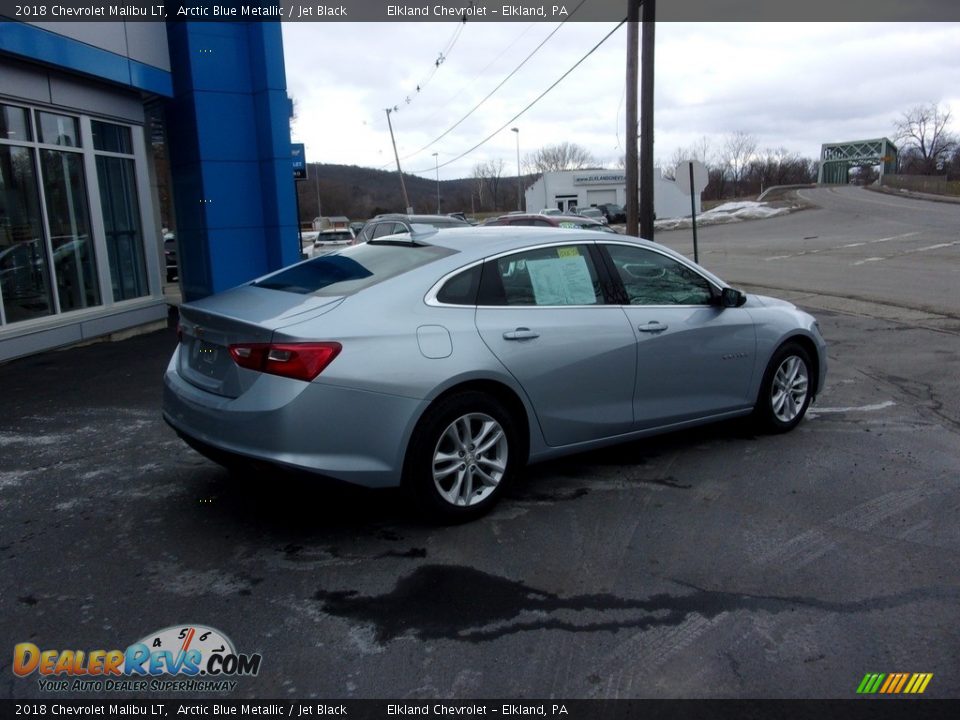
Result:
{"points": [[71, 236]]}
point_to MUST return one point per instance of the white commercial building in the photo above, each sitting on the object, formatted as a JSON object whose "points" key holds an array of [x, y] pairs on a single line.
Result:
{"points": [[567, 189]]}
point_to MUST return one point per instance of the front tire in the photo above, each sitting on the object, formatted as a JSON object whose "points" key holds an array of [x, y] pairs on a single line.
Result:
{"points": [[785, 392], [461, 456]]}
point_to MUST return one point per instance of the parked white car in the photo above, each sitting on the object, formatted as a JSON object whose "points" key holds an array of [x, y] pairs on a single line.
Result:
{"points": [[316, 242]]}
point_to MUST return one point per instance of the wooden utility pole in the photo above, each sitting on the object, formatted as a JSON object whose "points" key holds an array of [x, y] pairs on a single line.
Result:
{"points": [[403, 187], [646, 120], [630, 159]]}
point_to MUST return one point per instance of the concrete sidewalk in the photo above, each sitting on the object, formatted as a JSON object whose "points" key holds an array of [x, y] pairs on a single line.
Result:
{"points": [[74, 381]]}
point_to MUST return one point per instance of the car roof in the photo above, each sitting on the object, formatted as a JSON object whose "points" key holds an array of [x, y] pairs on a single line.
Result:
{"points": [[483, 241], [415, 218], [548, 218], [478, 242]]}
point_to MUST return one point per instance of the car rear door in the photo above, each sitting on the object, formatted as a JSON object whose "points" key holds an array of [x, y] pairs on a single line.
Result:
{"points": [[543, 313]]}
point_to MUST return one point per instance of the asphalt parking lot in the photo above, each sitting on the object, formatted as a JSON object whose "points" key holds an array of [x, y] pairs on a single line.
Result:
{"points": [[709, 563]]}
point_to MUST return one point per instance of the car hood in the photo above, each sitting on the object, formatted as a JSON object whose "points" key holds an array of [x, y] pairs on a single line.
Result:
{"points": [[767, 301]]}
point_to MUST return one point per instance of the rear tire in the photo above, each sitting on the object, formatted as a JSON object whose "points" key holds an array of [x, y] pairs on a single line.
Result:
{"points": [[785, 392], [461, 456]]}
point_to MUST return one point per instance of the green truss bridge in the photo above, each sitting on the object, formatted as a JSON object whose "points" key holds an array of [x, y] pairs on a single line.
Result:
{"points": [[836, 159]]}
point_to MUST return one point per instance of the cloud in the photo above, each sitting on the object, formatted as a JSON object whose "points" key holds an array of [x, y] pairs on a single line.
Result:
{"points": [[794, 85]]}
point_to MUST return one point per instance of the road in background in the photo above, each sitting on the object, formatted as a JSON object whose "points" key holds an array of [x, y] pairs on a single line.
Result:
{"points": [[852, 243]]}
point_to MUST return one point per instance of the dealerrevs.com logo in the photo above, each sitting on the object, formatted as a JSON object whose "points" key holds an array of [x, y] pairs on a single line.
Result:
{"points": [[187, 658]]}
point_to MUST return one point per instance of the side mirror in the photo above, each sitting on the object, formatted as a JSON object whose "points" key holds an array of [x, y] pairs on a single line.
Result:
{"points": [[730, 298]]}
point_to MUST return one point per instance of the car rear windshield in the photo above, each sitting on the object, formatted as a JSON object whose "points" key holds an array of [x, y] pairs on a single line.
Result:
{"points": [[352, 269]]}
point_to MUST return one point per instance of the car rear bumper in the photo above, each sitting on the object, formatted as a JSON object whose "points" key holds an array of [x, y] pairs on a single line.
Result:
{"points": [[351, 435]]}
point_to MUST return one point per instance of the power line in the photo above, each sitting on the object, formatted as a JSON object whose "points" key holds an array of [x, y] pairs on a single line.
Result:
{"points": [[534, 102], [500, 85], [441, 58], [487, 67]]}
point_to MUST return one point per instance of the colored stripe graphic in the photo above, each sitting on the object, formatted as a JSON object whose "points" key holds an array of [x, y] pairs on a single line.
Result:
{"points": [[891, 680], [903, 681], [870, 683], [894, 683]]}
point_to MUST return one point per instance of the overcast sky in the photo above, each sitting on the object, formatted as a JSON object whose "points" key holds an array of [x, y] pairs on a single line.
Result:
{"points": [[793, 85]]}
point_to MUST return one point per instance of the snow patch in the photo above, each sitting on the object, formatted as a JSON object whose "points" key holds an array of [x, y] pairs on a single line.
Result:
{"points": [[726, 213], [8, 438], [10, 479]]}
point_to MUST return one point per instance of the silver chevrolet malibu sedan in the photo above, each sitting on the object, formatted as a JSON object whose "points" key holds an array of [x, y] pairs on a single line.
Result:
{"points": [[443, 361]]}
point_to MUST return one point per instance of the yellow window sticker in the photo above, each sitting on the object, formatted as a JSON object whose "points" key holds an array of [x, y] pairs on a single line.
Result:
{"points": [[568, 252]]}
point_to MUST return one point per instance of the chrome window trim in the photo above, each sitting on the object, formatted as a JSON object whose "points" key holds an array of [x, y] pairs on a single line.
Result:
{"points": [[431, 297]]}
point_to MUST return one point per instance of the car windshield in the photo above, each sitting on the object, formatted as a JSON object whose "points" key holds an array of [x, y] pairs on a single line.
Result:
{"points": [[352, 269]]}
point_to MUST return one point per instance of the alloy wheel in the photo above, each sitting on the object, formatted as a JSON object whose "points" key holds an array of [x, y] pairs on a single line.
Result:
{"points": [[789, 389], [470, 459]]}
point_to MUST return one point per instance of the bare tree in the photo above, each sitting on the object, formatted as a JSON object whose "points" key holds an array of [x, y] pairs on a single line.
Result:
{"points": [[735, 156], [487, 176], [478, 174], [699, 150], [776, 166], [716, 185], [565, 156], [923, 130]]}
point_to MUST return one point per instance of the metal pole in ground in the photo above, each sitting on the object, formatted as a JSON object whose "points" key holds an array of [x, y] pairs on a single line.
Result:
{"points": [[693, 214]]}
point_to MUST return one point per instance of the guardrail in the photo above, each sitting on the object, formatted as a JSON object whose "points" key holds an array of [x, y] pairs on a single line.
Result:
{"points": [[774, 188]]}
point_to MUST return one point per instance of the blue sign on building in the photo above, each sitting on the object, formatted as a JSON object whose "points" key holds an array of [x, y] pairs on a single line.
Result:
{"points": [[299, 161]]}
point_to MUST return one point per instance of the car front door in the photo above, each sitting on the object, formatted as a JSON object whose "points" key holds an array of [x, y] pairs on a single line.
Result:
{"points": [[694, 358], [543, 313]]}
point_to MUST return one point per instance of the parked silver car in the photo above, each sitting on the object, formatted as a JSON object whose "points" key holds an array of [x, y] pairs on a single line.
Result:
{"points": [[592, 213], [445, 360], [397, 223]]}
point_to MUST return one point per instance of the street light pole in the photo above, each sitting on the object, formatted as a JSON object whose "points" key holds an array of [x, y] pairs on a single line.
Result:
{"points": [[403, 186], [517, 131], [436, 161]]}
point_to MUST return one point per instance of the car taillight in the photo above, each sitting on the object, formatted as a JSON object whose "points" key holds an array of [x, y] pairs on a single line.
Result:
{"points": [[301, 361]]}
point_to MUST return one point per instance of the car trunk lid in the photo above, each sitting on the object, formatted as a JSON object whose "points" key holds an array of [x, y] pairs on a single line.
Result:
{"points": [[247, 314]]}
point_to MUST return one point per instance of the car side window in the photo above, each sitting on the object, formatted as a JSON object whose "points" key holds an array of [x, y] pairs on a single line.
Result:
{"points": [[462, 288], [650, 278], [552, 276], [382, 229]]}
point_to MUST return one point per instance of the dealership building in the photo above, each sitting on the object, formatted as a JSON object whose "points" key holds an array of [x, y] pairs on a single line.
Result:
{"points": [[110, 131], [567, 189]]}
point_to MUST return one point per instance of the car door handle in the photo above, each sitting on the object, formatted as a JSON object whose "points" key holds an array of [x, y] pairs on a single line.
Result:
{"points": [[653, 326], [521, 333]]}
